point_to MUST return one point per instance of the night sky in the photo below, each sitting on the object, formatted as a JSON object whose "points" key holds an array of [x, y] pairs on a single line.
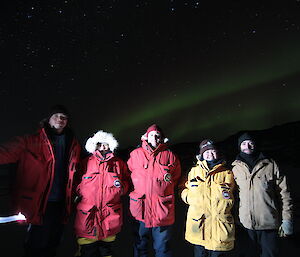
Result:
{"points": [[197, 68]]}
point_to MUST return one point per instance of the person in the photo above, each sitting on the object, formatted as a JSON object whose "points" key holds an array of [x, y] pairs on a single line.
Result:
{"points": [[209, 193], [262, 189], [44, 182], [155, 171], [99, 212]]}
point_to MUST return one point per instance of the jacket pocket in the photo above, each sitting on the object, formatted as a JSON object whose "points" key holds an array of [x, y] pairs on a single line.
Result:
{"points": [[197, 225], [195, 193], [165, 208], [89, 185], [113, 188], [224, 198], [85, 219], [113, 222], [164, 183], [225, 228], [137, 205], [267, 183]]}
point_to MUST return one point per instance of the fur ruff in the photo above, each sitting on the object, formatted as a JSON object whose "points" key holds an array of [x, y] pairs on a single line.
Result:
{"points": [[101, 137]]}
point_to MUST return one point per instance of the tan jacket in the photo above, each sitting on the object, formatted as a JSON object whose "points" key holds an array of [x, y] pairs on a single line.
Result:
{"points": [[261, 194], [209, 196]]}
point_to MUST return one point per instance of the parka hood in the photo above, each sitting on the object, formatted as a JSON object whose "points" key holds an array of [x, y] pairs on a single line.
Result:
{"points": [[101, 137]]}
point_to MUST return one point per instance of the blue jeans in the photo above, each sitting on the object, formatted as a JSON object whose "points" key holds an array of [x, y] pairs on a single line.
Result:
{"points": [[265, 242], [256, 243], [200, 251], [161, 240]]}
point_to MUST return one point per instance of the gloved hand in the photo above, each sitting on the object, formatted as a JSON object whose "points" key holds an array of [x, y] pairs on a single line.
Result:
{"points": [[286, 228]]}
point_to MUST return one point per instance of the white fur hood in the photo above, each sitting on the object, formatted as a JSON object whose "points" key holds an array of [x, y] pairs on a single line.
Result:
{"points": [[101, 137]]}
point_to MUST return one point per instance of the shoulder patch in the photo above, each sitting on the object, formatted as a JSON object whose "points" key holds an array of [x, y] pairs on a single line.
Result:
{"points": [[117, 183], [167, 177], [226, 194]]}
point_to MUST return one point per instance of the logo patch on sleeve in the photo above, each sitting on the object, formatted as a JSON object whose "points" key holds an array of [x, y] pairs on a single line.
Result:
{"points": [[226, 194], [167, 177], [117, 183]]}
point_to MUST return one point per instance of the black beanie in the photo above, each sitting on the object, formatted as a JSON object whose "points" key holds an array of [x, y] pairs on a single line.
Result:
{"points": [[243, 137], [59, 109]]}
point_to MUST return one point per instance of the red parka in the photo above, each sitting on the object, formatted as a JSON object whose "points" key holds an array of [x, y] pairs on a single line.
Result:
{"points": [[99, 213], [154, 175], [35, 172]]}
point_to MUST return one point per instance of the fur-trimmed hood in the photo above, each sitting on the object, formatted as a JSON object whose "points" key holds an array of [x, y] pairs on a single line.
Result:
{"points": [[101, 137]]}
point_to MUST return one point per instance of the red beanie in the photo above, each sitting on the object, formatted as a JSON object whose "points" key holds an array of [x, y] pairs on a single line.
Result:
{"points": [[154, 127]]}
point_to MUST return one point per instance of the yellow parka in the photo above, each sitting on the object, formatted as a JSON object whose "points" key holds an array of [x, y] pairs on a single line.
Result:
{"points": [[210, 198]]}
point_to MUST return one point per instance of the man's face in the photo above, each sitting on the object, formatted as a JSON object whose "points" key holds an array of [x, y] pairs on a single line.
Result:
{"points": [[103, 148], [247, 146], [154, 138], [210, 155], [58, 121]]}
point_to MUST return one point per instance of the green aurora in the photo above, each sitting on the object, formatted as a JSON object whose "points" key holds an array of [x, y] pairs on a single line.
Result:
{"points": [[285, 64]]}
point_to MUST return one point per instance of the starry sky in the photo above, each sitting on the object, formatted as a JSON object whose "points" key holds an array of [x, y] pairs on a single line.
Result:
{"points": [[197, 68]]}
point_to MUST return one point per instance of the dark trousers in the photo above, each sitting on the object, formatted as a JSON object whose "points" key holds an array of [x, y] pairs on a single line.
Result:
{"points": [[200, 251], [161, 240], [96, 249], [43, 240], [257, 243]]}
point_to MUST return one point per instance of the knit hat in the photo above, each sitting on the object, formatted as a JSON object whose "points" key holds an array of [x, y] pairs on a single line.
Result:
{"points": [[101, 137], [243, 137], [59, 109], [205, 145], [155, 127]]}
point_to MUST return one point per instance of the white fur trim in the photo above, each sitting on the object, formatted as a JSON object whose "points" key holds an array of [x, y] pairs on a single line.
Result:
{"points": [[101, 137], [144, 137]]}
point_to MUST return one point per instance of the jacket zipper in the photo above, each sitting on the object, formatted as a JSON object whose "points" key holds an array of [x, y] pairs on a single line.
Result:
{"points": [[149, 193], [251, 184], [50, 149], [100, 197]]}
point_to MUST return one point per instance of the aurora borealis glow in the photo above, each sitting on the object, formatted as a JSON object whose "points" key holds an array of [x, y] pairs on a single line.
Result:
{"points": [[229, 88]]}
